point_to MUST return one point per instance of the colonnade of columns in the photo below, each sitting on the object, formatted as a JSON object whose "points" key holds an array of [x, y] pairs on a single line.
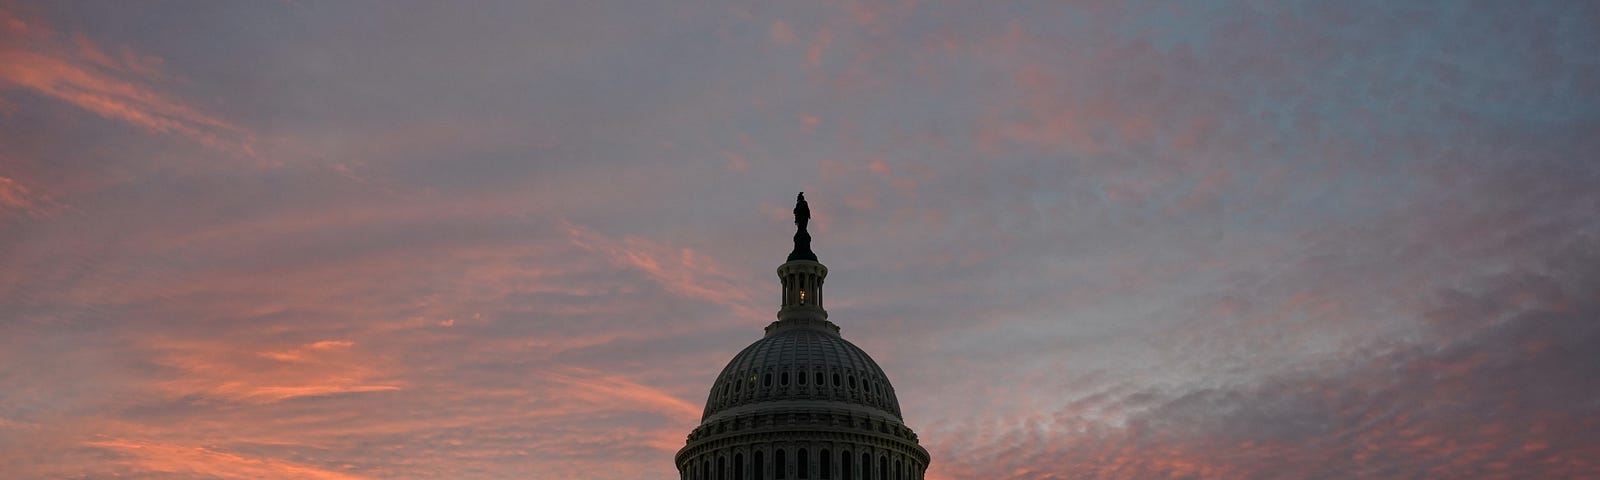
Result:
{"points": [[801, 463], [802, 286]]}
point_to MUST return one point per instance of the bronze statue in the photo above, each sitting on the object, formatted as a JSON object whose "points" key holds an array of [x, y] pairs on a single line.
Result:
{"points": [[802, 240], [802, 212]]}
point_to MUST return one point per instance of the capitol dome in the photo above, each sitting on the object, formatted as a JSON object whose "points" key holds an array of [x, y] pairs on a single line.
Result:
{"points": [[802, 402], [802, 364]]}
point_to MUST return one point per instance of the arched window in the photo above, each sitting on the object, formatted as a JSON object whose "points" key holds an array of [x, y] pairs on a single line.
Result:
{"points": [[705, 469], [852, 383], [783, 379], [826, 463], [835, 379], [738, 466], [804, 462], [761, 466], [766, 380], [781, 464], [800, 377], [722, 468], [846, 469], [866, 466], [819, 378], [897, 469], [883, 467]]}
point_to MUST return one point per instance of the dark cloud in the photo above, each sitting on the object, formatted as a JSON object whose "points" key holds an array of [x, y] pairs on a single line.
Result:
{"points": [[1502, 389]]}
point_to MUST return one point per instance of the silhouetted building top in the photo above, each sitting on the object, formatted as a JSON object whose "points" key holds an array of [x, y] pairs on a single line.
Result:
{"points": [[802, 238], [802, 402]]}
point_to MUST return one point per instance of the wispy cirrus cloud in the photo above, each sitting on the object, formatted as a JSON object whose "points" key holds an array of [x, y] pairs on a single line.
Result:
{"points": [[321, 368], [685, 270], [182, 461], [76, 70], [16, 197]]}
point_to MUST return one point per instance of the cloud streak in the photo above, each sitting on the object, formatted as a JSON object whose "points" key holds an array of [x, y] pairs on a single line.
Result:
{"points": [[82, 74], [177, 461]]}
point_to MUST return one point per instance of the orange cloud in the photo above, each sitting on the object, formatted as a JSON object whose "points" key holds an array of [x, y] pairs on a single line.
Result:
{"points": [[206, 462], [227, 372], [16, 197], [82, 74]]}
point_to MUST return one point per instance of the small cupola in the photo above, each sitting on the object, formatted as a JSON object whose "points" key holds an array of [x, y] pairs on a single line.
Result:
{"points": [[802, 276]]}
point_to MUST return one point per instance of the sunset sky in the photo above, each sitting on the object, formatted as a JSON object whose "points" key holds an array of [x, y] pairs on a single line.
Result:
{"points": [[1192, 239]]}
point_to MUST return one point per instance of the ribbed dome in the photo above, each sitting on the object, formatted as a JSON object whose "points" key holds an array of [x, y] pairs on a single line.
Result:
{"points": [[802, 364]]}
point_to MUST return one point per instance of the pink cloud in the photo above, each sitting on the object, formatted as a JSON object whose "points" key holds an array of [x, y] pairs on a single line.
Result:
{"points": [[82, 74], [810, 122], [225, 371], [819, 46], [14, 197], [593, 386], [736, 162], [781, 33], [187, 461], [683, 270]]}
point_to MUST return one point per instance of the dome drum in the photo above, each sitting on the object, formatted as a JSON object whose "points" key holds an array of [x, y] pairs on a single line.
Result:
{"points": [[827, 456]]}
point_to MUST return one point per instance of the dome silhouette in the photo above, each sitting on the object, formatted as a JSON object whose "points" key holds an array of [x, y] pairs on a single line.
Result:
{"points": [[802, 402]]}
